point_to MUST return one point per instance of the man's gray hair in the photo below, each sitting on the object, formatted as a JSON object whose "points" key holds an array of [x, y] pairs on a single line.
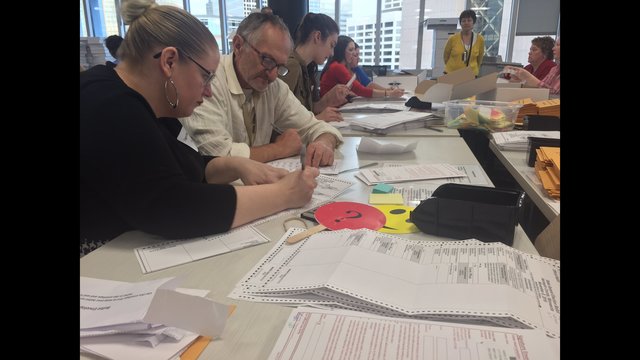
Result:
{"points": [[250, 27]]}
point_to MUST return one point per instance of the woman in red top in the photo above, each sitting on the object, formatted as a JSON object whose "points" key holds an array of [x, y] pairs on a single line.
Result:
{"points": [[551, 81], [541, 56], [337, 72]]}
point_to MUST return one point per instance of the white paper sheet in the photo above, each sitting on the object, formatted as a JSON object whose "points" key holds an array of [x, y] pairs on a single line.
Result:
{"points": [[375, 272], [293, 163], [519, 139], [313, 334], [408, 173], [373, 106], [108, 303], [387, 120], [114, 314]]}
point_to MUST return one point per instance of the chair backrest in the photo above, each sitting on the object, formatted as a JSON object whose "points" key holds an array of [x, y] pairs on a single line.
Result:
{"points": [[548, 241], [541, 122], [379, 70]]}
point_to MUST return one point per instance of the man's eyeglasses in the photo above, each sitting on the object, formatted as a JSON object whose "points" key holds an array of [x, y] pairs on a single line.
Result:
{"points": [[267, 62], [207, 76]]}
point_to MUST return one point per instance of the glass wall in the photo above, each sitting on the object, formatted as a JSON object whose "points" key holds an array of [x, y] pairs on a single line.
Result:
{"points": [[398, 26]]}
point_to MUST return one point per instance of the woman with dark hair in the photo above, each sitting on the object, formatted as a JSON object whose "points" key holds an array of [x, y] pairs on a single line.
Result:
{"points": [[316, 36], [113, 44], [466, 48], [361, 75], [338, 71]]}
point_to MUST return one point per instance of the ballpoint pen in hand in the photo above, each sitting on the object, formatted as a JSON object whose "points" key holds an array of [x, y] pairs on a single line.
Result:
{"points": [[303, 154]]}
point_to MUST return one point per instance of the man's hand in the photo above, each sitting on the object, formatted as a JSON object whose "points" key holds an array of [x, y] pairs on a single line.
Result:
{"points": [[330, 114], [255, 173], [320, 151], [288, 143]]}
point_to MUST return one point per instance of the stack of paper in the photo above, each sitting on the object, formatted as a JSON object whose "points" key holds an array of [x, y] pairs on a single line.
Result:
{"points": [[549, 107], [408, 173], [403, 98], [151, 319], [519, 139], [458, 281], [375, 107], [528, 108], [401, 120], [548, 169]]}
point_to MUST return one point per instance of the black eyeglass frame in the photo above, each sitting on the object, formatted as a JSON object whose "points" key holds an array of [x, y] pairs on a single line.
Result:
{"points": [[270, 62], [210, 75]]}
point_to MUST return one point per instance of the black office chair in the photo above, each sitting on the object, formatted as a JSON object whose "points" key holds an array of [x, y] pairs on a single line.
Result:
{"points": [[379, 70], [541, 122]]}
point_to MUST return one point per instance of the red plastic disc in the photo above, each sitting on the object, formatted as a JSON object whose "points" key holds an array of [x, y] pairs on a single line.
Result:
{"points": [[350, 215]]}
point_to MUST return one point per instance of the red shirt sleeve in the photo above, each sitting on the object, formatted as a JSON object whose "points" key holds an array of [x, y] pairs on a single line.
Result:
{"points": [[338, 74]]}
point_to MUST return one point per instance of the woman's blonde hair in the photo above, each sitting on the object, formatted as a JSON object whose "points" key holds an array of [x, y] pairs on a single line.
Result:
{"points": [[152, 26]]}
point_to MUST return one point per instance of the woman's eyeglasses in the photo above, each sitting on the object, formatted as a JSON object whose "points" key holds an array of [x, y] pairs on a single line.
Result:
{"points": [[207, 76]]}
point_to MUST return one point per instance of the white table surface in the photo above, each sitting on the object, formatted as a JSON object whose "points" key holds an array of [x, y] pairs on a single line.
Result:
{"points": [[252, 330]]}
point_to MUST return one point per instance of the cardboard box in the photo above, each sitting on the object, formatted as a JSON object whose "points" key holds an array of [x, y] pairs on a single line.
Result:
{"points": [[459, 84], [510, 94]]}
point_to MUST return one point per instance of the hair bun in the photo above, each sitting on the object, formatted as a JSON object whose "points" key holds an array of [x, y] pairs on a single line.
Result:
{"points": [[133, 9]]}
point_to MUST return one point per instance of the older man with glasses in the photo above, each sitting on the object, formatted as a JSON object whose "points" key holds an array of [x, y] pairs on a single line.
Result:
{"points": [[250, 106]]}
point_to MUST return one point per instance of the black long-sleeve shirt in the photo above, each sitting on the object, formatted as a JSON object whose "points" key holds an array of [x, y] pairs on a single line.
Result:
{"points": [[134, 172]]}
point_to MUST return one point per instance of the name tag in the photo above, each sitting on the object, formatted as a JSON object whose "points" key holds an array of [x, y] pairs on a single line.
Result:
{"points": [[184, 138]]}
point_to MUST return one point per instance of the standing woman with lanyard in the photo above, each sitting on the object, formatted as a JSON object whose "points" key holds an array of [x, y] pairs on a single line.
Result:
{"points": [[465, 48]]}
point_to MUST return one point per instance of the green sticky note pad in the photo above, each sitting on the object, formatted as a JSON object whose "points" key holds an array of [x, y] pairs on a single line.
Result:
{"points": [[382, 189], [386, 199]]}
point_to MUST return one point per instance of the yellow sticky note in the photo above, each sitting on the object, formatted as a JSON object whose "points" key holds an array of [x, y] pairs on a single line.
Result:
{"points": [[386, 199]]}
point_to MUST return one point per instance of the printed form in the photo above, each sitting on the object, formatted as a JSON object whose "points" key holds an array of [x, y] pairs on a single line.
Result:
{"points": [[312, 334], [409, 173], [375, 272]]}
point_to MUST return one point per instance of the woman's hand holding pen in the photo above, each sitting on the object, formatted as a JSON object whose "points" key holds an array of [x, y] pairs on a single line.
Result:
{"points": [[337, 96], [297, 187], [395, 92]]}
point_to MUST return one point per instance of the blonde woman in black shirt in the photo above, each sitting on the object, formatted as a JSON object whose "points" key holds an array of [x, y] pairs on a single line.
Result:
{"points": [[138, 168]]}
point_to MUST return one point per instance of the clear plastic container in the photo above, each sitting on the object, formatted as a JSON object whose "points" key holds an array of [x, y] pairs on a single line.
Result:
{"points": [[492, 116]]}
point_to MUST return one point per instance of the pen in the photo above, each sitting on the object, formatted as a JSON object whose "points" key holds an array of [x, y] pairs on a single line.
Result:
{"points": [[350, 83], [303, 154], [434, 129], [276, 129], [359, 167], [367, 165]]}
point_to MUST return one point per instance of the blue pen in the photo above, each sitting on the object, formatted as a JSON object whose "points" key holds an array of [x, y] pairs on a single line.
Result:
{"points": [[303, 154]]}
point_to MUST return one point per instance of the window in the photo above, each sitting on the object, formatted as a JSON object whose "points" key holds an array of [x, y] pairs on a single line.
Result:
{"points": [[99, 18], [83, 22]]}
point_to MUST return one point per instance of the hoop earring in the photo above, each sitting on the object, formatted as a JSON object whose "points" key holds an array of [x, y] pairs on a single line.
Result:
{"points": [[166, 96]]}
